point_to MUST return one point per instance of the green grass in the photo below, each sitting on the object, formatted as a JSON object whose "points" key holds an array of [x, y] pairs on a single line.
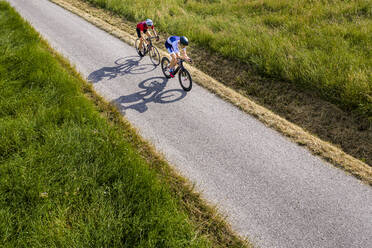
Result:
{"points": [[322, 45], [68, 178]]}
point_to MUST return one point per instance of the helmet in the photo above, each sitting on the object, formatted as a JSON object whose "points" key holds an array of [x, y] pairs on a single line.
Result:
{"points": [[184, 41], [149, 22]]}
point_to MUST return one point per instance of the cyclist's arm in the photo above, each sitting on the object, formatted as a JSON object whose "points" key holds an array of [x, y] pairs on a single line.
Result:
{"points": [[143, 35], [184, 54], [155, 33]]}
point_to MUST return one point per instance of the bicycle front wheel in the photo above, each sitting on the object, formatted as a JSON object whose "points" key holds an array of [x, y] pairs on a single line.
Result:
{"points": [[185, 80], [165, 63], [155, 56]]}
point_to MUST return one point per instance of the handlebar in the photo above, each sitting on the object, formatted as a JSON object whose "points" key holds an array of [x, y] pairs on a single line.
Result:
{"points": [[152, 37], [182, 60]]}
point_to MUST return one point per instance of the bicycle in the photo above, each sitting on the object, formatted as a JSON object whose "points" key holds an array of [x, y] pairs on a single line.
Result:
{"points": [[150, 48], [184, 76]]}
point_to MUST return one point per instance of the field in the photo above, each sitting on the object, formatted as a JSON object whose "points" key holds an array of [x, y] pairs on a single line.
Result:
{"points": [[326, 98], [70, 176], [325, 46]]}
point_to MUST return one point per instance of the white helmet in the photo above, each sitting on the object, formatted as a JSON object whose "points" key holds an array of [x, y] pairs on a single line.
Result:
{"points": [[149, 22]]}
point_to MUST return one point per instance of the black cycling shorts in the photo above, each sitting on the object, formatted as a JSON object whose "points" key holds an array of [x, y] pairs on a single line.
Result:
{"points": [[139, 32]]}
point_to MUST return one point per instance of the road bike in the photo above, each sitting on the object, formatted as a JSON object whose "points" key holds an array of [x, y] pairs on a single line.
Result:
{"points": [[150, 49], [184, 76]]}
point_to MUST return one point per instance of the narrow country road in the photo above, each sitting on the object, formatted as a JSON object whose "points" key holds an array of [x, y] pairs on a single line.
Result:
{"points": [[273, 191]]}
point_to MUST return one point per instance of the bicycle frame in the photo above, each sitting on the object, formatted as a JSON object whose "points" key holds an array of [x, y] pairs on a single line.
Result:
{"points": [[149, 39], [179, 67]]}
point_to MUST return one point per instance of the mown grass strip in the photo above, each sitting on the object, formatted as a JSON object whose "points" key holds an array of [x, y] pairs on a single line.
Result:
{"points": [[71, 178]]}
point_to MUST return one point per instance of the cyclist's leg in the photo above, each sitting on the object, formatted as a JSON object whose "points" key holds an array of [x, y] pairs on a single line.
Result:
{"points": [[141, 39], [173, 60], [172, 55], [169, 48], [172, 64], [138, 32], [149, 36]]}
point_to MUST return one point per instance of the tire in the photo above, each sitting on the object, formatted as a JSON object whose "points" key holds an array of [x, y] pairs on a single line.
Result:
{"points": [[164, 67], [155, 56], [140, 52], [185, 80]]}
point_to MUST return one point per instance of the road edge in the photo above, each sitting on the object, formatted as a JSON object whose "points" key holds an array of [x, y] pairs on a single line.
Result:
{"points": [[316, 146], [205, 216]]}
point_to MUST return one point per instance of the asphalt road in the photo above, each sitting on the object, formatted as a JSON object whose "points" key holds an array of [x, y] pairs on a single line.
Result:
{"points": [[273, 191]]}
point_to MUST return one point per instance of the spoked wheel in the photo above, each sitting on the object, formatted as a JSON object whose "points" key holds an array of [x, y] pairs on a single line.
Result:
{"points": [[165, 63], [185, 80], [155, 56], [141, 51]]}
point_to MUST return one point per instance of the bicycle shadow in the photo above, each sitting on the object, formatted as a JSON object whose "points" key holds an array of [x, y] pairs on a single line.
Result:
{"points": [[152, 93], [126, 65]]}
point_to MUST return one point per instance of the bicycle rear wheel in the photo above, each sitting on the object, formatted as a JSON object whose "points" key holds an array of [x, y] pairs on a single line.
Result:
{"points": [[154, 56], [165, 63], [141, 52], [185, 80]]}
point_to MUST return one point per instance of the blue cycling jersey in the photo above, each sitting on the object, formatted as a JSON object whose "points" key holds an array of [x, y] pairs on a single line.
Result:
{"points": [[172, 44]]}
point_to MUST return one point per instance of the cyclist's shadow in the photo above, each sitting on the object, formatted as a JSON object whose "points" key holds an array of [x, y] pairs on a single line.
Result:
{"points": [[127, 65], [152, 92]]}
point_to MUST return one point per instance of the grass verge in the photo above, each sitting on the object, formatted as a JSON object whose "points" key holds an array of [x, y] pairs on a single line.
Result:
{"points": [[74, 173], [121, 29]]}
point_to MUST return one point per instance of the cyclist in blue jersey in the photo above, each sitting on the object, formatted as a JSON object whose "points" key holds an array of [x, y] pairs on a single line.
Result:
{"points": [[172, 46]]}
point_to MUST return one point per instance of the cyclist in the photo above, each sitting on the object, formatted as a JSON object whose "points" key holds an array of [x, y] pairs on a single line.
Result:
{"points": [[172, 46], [141, 29]]}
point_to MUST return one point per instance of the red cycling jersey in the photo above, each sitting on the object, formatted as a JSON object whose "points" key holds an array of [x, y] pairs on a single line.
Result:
{"points": [[143, 26]]}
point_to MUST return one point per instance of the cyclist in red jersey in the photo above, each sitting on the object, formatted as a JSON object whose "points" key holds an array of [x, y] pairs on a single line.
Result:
{"points": [[142, 28]]}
